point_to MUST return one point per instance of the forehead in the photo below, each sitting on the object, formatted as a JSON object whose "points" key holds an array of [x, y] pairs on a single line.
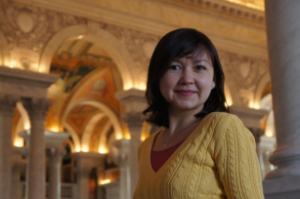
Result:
{"points": [[200, 53]]}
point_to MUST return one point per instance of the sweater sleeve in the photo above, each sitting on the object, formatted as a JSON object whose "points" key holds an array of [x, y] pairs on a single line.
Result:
{"points": [[236, 160]]}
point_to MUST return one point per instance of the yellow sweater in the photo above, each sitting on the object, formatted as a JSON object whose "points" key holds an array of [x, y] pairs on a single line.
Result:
{"points": [[218, 160]]}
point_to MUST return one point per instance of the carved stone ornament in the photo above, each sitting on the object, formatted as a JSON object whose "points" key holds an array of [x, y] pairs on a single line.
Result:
{"points": [[137, 44], [25, 21], [31, 27]]}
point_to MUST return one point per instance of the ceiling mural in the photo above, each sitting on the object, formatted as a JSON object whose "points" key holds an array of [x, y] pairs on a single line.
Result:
{"points": [[86, 73]]}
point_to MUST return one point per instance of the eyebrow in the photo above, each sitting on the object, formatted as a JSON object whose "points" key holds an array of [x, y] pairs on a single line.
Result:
{"points": [[190, 57]]}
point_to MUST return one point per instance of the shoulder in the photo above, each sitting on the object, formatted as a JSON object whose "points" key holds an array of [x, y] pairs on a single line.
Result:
{"points": [[223, 120], [224, 124], [231, 135]]}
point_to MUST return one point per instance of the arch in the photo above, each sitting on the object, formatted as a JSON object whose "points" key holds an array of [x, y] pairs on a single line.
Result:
{"points": [[101, 37], [265, 80], [85, 140], [102, 148], [24, 117], [109, 113], [74, 136]]}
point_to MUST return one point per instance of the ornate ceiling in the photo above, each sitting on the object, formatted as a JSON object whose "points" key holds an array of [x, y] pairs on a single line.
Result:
{"points": [[256, 4]]}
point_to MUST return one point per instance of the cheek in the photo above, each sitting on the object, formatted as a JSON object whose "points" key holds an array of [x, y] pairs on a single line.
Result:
{"points": [[205, 84], [166, 86], [167, 82]]}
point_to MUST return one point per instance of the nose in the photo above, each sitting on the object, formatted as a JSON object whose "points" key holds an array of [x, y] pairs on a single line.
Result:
{"points": [[187, 76]]}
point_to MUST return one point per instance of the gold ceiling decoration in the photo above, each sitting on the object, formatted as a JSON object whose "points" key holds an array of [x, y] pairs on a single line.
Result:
{"points": [[255, 4]]}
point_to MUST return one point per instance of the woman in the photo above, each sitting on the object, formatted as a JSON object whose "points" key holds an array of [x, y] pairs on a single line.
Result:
{"points": [[201, 151]]}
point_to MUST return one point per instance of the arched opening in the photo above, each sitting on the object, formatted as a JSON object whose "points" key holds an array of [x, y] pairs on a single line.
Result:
{"points": [[74, 34]]}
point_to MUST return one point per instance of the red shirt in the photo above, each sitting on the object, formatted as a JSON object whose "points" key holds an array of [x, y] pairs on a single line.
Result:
{"points": [[158, 158]]}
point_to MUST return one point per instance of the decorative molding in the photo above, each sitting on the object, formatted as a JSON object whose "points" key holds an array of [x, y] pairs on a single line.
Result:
{"points": [[30, 27], [226, 8], [244, 74], [95, 11], [21, 83], [100, 12]]}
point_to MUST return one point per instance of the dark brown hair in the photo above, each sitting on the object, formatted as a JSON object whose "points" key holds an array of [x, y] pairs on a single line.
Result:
{"points": [[176, 44]]}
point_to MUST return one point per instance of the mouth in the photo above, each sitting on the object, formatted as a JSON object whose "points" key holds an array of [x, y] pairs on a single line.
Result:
{"points": [[185, 92]]}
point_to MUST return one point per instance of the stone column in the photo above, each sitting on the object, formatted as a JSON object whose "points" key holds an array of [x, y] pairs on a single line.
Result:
{"points": [[283, 32], [134, 103], [55, 153], [124, 167], [36, 168], [54, 164], [83, 164], [19, 169], [7, 104]]}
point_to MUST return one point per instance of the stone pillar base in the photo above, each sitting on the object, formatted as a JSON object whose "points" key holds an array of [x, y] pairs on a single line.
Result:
{"points": [[287, 187]]}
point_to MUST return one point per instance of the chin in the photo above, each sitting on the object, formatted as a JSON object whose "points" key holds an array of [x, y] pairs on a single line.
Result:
{"points": [[189, 107]]}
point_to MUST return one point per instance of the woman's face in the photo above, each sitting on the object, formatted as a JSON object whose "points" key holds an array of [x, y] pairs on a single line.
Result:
{"points": [[187, 82]]}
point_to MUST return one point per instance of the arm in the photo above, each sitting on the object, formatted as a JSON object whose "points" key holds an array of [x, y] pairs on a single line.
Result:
{"points": [[236, 160]]}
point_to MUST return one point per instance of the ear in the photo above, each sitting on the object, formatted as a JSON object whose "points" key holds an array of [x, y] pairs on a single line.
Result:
{"points": [[213, 84]]}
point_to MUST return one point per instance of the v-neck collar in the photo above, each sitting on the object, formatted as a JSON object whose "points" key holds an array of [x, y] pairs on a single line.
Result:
{"points": [[179, 149]]}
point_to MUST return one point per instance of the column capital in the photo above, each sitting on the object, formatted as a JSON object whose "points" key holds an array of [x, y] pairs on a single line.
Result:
{"points": [[36, 107], [7, 104], [54, 140], [251, 117], [123, 147], [132, 100], [86, 161], [55, 155]]}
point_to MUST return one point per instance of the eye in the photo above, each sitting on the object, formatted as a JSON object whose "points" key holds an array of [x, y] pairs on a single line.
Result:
{"points": [[200, 67], [174, 66]]}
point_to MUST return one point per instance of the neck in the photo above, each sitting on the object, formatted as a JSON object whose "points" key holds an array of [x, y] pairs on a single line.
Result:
{"points": [[180, 123]]}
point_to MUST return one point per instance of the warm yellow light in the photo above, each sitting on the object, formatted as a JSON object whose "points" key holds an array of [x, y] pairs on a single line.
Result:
{"points": [[144, 137], [140, 86], [256, 4], [145, 131], [126, 132], [80, 37], [26, 125], [104, 181], [254, 105], [228, 97], [85, 148], [128, 85], [119, 136], [127, 136], [42, 68], [269, 133], [34, 67], [103, 149], [228, 101], [77, 148], [12, 63], [18, 142], [54, 128]]}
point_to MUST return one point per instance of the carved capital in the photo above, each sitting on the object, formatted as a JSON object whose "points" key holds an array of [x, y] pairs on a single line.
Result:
{"points": [[121, 157], [55, 155], [36, 107], [7, 104]]}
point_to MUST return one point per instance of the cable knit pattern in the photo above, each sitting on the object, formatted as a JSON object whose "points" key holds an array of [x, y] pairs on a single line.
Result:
{"points": [[218, 160]]}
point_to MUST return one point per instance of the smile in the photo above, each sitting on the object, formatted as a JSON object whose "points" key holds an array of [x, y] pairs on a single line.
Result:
{"points": [[185, 92]]}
